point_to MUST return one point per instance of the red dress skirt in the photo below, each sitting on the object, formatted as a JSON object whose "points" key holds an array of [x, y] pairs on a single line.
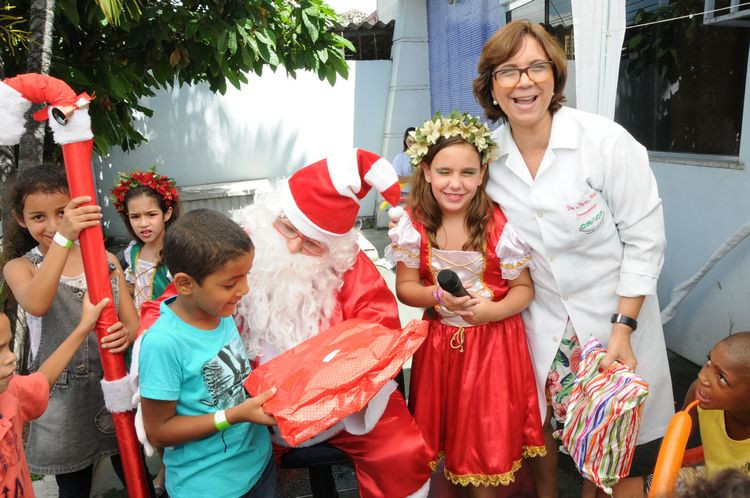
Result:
{"points": [[477, 408]]}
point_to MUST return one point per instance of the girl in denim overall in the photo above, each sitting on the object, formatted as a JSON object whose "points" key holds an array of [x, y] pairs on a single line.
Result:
{"points": [[46, 277]]}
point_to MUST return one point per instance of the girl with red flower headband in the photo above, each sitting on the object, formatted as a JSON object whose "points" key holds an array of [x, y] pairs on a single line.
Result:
{"points": [[148, 204]]}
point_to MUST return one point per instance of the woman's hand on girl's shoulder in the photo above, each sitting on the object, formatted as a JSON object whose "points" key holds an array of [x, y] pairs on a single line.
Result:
{"points": [[77, 217]]}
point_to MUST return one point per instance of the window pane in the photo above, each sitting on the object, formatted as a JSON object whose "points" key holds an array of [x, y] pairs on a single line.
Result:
{"points": [[682, 84], [557, 17]]}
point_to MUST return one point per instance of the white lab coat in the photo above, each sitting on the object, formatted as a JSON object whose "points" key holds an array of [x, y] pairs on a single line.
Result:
{"points": [[593, 219]]}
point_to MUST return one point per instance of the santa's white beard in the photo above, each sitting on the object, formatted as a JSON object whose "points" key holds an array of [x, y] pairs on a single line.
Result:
{"points": [[291, 296]]}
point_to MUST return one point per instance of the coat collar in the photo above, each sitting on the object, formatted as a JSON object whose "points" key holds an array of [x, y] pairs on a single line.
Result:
{"points": [[563, 135]]}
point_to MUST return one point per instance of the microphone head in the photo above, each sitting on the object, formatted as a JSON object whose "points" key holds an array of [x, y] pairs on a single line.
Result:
{"points": [[448, 281]]}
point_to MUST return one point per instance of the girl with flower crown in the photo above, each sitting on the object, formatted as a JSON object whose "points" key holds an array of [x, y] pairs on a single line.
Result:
{"points": [[472, 389], [148, 203]]}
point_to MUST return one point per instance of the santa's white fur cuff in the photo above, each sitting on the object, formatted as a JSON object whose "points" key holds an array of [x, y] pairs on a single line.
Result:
{"points": [[78, 128], [118, 396], [13, 117]]}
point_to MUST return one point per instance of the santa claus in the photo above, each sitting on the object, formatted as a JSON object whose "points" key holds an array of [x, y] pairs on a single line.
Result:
{"points": [[309, 274]]}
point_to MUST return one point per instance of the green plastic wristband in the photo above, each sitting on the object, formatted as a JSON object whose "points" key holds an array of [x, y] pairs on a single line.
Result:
{"points": [[62, 240], [220, 420]]}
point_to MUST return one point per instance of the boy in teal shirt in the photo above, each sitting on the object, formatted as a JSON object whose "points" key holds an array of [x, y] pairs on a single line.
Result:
{"points": [[192, 365]]}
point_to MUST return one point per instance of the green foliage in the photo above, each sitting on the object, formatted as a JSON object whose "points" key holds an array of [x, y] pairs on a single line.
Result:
{"points": [[114, 9], [11, 34], [169, 43]]}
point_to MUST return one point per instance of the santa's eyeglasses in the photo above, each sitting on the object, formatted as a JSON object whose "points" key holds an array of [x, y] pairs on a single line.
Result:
{"points": [[309, 246]]}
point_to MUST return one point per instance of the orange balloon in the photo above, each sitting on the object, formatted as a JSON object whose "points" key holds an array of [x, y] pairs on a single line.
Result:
{"points": [[671, 452]]}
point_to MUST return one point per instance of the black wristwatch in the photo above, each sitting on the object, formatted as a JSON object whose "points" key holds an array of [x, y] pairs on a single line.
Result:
{"points": [[624, 319]]}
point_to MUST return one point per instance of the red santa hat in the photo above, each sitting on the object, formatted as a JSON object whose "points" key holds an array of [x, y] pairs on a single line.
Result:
{"points": [[322, 200], [71, 122]]}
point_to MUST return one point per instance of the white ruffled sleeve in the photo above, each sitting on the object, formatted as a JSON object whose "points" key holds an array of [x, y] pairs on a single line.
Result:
{"points": [[514, 253], [129, 275], [405, 243]]}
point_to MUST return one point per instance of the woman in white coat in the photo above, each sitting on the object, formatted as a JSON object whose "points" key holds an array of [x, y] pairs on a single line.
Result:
{"points": [[579, 189]]}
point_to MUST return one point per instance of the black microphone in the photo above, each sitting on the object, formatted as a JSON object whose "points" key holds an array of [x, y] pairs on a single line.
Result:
{"points": [[450, 283]]}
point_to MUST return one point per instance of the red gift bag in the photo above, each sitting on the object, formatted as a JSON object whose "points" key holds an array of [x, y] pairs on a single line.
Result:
{"points": [[333, 374]]}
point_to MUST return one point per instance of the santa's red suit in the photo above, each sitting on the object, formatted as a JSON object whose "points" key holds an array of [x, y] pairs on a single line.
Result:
{"points": [[321, 202]]}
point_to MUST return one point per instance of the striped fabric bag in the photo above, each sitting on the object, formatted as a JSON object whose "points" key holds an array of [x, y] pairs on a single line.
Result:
{"points": [[603, 418]]}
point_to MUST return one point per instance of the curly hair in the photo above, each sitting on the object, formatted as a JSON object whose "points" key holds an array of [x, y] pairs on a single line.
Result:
{"points": [[503, 45], [45, 178], [427, 211], [729, 483]]}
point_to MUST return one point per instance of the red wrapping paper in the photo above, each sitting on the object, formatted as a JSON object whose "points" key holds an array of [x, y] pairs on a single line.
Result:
{"points": [[333, 374]]}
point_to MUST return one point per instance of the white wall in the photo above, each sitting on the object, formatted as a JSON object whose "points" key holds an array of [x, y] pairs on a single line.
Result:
{"points": [[408, 100], [388, 10], [268, 129], [702, 207]]}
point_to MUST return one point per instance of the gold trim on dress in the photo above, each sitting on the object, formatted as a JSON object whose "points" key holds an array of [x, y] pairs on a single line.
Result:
{"points": [[503, 479], [147, 293], [458, 340], [477, 480], [483, 272], [534, 451], [516, 266], [452, 265], [413, 255], [434, 463], [468, 284]]}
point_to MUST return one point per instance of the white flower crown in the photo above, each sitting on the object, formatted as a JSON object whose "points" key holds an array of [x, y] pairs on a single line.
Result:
{"points": [[456, 123]]}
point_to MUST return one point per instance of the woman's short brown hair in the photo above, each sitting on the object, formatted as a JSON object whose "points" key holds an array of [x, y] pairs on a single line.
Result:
{"points": [[503, 45]]}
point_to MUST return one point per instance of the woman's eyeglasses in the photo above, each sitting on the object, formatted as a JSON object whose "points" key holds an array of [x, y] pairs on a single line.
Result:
{"points": [[309, 246], [509, 77]]}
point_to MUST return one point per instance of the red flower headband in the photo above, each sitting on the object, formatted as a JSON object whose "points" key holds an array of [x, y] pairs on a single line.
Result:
{"points": [[162, 185]]}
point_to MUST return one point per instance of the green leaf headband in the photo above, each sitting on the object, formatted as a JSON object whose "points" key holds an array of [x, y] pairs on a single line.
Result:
{"points": [[456, 123]]}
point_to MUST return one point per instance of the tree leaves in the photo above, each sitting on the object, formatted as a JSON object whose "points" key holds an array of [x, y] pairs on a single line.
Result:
{"points": [[167, 43]]}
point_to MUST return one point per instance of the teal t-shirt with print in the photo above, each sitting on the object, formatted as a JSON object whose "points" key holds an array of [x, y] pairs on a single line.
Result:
{"points": [[203, 370]]}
